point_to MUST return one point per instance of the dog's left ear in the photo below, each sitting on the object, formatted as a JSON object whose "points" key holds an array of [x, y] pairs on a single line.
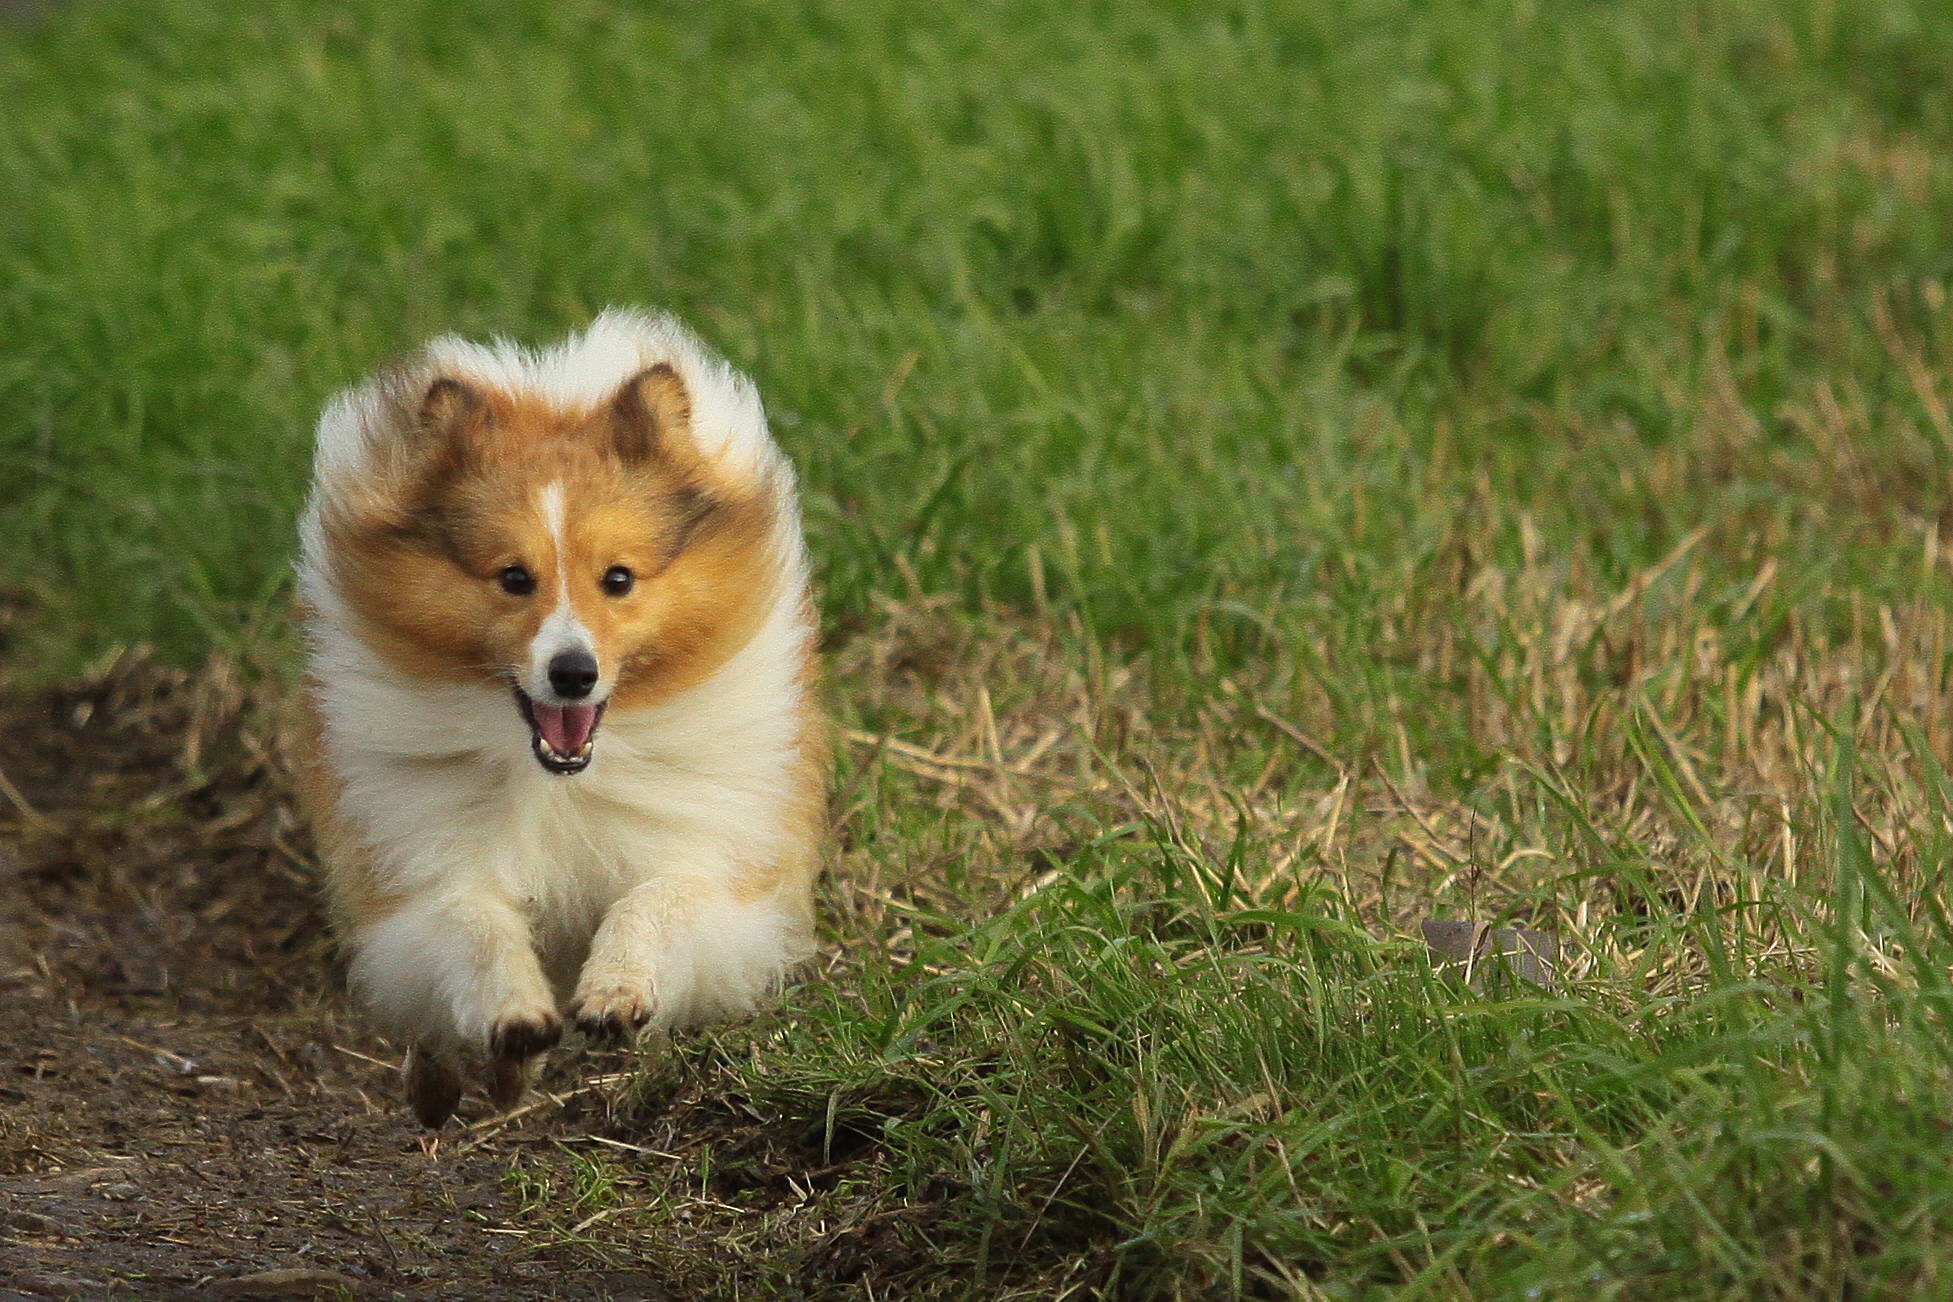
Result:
{"points": [[651, 415]]}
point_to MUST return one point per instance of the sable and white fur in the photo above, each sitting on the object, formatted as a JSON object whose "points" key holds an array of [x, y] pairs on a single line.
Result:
{"points": [[479, 895]]}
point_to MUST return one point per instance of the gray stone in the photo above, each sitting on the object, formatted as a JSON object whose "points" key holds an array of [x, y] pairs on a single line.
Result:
{"points": [[1473, 948]]}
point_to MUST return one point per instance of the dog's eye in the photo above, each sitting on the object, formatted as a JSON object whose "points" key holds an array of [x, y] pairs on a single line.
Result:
{"points": [[517, 582], [617, 581]]}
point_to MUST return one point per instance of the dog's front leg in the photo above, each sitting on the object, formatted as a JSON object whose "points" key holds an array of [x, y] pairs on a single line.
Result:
{"points": [[681, 949], [458, 972]]}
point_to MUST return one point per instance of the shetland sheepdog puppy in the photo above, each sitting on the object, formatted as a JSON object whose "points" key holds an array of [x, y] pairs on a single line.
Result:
{"points": [[564, 757]]}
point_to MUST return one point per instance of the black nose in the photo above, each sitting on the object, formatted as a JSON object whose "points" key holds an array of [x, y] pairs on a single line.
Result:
{"points": [[573, 674]]}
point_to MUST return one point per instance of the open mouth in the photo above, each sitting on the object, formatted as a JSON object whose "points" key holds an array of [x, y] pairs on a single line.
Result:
{"points": [[562, 736]]}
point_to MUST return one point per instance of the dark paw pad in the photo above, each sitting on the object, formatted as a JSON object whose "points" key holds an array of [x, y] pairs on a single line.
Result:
{"points": [[523, 1038]]}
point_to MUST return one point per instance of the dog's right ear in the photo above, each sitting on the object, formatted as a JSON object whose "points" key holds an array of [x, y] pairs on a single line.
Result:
{"points": [[442, 441], [447, 429], [448, 406]]}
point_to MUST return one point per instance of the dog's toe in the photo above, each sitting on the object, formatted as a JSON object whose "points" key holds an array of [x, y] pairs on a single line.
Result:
{"points": [[611, 1014]]}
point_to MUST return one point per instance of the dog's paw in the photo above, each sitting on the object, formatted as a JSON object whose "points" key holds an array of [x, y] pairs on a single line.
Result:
{"points": [[433, 1087], [612, 1012], [505, 1079], [525, 1036]]}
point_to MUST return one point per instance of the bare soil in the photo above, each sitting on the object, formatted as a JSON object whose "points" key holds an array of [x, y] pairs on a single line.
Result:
{"points": [[188, 1106]]}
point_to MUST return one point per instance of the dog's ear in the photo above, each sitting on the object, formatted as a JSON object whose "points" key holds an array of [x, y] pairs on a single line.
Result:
{"points": [[443, 444], [652, 414], [452, 413], [448, 406]]}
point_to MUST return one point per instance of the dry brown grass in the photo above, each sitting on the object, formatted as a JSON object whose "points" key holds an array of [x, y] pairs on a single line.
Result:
{"points": [[1669, 740]]}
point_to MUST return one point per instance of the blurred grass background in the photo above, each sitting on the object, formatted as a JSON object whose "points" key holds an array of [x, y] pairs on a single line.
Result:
{"points": [[1122, 286], [1286, 470]]}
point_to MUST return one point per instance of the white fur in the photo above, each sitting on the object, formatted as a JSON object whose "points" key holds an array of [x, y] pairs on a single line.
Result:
{"points": [[510, 871], [561, 630]]}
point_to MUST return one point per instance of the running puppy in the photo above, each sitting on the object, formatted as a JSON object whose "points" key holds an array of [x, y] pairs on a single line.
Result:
{"points": [[565, 757]]}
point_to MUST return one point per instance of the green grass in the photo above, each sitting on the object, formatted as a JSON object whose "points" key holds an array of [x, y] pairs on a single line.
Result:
{"points": [[1309, 468]]}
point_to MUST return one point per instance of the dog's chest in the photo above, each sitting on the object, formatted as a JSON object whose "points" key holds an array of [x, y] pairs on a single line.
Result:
{"points": [[565, 857]]}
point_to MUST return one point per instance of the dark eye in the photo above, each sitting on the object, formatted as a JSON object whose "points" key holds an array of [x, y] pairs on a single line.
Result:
{"points": [[617, 581], [517, 582]]}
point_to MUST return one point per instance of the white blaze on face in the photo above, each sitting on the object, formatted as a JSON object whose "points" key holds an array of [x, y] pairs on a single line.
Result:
{"points": [[561, 630]]}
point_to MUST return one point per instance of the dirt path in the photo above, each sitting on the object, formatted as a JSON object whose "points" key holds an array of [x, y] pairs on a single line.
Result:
{"points": [[186, 1101]]}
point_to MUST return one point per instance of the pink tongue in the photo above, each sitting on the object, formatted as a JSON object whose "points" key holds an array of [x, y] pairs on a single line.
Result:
{"points": [[565, 727]]}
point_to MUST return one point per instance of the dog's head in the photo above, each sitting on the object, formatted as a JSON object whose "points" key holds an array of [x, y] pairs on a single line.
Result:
{"points": [[589, 558]]}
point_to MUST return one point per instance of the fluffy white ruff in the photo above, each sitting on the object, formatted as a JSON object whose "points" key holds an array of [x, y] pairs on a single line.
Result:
{"points": [[509, 872]]}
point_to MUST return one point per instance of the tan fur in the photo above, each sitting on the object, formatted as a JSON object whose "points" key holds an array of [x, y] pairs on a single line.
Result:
{"points": [[353, 890], [807, 811]]}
